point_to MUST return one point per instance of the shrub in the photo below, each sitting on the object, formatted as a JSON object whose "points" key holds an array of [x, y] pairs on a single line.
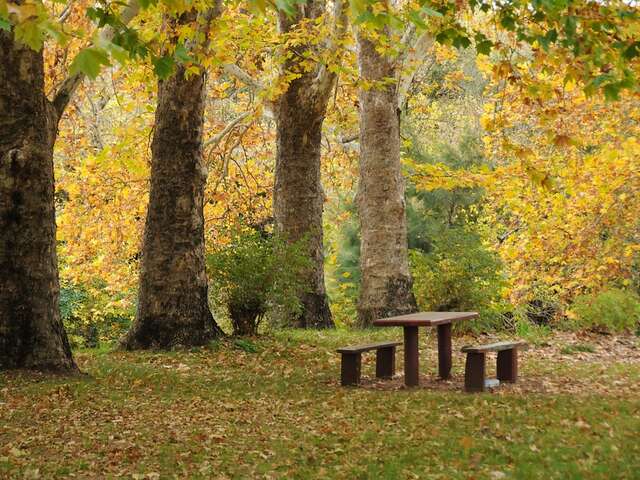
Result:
{"points": [[612, 310], [257, 274], [92, 316], [459, 273], [543, 306]]}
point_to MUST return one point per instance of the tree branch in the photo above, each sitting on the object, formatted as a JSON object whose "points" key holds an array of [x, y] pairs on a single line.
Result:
{"points": [[217, 138], [325, 78], [235, 71], [412, 61], [70, 84], [350, 138], [66, 12]]}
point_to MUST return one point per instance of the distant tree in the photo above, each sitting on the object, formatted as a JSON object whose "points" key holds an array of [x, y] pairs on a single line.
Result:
{"points": [[298, 197]]}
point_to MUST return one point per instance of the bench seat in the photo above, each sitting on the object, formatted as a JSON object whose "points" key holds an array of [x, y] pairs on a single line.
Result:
{"points": [[496, 347], [368, 347], [352, 361], [506, 366]]}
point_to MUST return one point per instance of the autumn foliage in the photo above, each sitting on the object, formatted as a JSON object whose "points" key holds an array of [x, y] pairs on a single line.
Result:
{"points": [[548, 189]]}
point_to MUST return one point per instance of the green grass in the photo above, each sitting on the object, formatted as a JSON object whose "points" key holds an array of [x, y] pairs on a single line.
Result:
{"points": [[577, 348], [271, 408]]}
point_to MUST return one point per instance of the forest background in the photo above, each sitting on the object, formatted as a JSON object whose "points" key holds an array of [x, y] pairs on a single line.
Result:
{"points": [[521, 184]]}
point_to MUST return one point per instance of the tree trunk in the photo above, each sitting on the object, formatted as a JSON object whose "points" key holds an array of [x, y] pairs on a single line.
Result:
{"points": [[386, 288], [245, 319], [31, 330], [173, 307], [298, 197]]}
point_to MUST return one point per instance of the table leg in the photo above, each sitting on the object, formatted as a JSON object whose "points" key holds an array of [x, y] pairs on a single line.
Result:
{"points": [[444, 351], [386, 362], [350, 369], [475, 372], [411, 373], [507, 365]]}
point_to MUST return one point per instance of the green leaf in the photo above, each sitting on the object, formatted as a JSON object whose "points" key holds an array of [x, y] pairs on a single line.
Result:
{"points": [[128, 40], [365, 17], [612, 92], [55, 33], [147, 3], [508, 22], [181, 54], [461, 41], [631, 51], [163, 66], [89, 61], [430, 11], [4, 24], [31, 34], [570, 26], [287, 6], [444, 37], [484, 47], [119, 53], [417, 19]]}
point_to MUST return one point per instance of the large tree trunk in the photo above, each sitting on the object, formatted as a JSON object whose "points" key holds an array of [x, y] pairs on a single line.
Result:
{"points": [[298, 197], [386, 287], [173, 305], [31, 331]]}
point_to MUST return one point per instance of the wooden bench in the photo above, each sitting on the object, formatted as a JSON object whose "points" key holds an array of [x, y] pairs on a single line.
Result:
{"points": [[506, 367], [352, 360]]}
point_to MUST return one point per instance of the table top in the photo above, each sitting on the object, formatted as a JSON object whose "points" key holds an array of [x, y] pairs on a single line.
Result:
{"points": [[424, 319]]}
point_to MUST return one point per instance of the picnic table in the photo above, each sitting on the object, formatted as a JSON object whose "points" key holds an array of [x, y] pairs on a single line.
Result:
{"points": [[410, 324]]}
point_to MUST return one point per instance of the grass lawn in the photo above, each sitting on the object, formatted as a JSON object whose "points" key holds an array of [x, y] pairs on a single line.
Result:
{"points": [[279, 412]]}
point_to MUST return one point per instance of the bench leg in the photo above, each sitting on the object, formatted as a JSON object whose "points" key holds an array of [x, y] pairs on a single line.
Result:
{"points": [[350, 374], [411, 364], [386, 362], [507, 365], [474, 372], [444, 351]]}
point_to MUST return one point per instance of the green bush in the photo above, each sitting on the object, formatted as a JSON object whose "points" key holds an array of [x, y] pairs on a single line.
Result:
{"points": [[459, 274], [543, 307], [257, 274], [92, 316], [612, 310]]}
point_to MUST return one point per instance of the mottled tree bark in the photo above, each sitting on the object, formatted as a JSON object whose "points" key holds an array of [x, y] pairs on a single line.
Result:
{"points": [[31, 330], [386, 288], [298, 197], [173, 305]]}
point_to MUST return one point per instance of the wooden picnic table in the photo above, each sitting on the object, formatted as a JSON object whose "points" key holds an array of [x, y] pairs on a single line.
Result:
{"points": [[410, 324]]}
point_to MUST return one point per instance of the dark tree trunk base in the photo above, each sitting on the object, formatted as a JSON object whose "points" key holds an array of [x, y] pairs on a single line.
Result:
{"points": [[316, 312], [245, 321], [399, 300], [161, 333]]}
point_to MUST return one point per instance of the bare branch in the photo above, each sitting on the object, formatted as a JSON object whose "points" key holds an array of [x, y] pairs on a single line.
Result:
{"points": [[66, 12], [72, 82], [412, 61], [350, 138], [217, 138], [235, 71], [325, 78]]}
